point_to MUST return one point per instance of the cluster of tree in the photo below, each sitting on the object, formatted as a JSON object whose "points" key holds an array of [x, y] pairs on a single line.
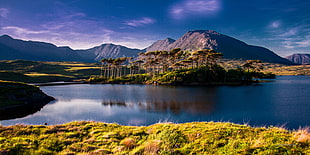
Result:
{"points": [[177, 65], [155, 62], [161, 61], [114, 67]]}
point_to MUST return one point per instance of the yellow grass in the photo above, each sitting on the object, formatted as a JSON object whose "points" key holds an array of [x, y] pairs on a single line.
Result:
{"points": [[70, 64], [80, 68], [278, 69], [35, 74]]}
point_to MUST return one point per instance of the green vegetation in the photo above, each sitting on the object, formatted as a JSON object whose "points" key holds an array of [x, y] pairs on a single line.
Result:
{"points": [[163, 138], [149, 67], [277, 69], [13, 93], [177, 67], [19, 99], [36, 71]]}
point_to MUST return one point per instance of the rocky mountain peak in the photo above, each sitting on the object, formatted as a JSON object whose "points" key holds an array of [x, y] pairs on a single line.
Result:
{"points": [[209, 39], [109, 51], [160, 45], [210, 32], [299, 58]]}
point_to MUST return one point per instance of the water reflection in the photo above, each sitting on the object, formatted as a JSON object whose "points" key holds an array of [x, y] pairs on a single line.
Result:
{"points": [[173, 106], [285, 101], [192, 100], [114, 103]]}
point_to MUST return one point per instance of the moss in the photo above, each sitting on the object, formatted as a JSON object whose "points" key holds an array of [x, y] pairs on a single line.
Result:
{"points": [[166, 138]]}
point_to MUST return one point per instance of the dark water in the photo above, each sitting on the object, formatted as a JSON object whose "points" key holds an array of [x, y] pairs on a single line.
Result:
{"points": [[283, 102]]}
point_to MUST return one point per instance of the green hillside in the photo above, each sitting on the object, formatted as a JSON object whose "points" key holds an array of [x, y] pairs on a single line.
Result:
{"points": [[37, 71]]}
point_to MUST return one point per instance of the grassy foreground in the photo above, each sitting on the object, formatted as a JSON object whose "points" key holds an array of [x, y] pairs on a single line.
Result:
{"points": [[163, 138]]}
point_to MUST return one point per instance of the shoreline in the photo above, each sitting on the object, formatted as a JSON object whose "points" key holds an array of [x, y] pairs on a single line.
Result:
{"points": [[19, 99]]}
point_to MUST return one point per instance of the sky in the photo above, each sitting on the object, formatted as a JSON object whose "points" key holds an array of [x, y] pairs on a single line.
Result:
{"points": [[281, 26]]}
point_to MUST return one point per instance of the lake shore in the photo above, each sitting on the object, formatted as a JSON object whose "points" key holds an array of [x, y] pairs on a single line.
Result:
{"points": [[162, 138], [20, 99]]}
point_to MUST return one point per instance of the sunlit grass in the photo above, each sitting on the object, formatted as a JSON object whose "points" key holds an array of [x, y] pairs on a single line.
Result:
{"points": [[162, 138], [289, 70], [278, 69], [38, 71], [81, 68], [35, 74]]}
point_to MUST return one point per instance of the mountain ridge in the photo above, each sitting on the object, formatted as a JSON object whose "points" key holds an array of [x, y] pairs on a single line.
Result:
{"points": [[299, 58], [109, 51], [231, 48], [11, 48]]}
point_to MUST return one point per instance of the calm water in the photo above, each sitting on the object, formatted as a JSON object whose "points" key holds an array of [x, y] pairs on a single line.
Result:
{"points": [[285, 101]]}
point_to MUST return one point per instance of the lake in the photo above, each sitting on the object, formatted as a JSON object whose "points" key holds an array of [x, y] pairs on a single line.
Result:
{"points": [[283, 102]]}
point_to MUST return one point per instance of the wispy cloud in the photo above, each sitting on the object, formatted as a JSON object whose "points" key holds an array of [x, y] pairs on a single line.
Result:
{"points": [[200, 7], [290, 32], [22, 31], [292, 38], [4, 12], [73, 39], [275, 24], [66, 26], [140, 22], [79, 40]]}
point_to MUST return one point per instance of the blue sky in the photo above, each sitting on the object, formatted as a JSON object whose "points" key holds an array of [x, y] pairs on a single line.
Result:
{"points": [[282, 26]]}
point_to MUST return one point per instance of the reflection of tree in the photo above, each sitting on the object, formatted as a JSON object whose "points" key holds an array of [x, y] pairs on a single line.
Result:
{"points": [[178, 107], [171, 101], [113, 103]]}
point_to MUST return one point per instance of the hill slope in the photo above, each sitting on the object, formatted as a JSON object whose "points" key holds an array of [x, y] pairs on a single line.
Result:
{"points": [[160, 45], [108, 51], [230, 47], [299, 58], [11, 49]]}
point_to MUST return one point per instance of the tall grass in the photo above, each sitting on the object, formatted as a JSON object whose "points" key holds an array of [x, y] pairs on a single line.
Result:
{"points": [[162, 138]]}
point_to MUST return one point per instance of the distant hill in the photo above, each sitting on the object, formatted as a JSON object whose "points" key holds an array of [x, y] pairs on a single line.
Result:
{"points": [[230, 47], [11, 49], [108, 51], [299, 58]]}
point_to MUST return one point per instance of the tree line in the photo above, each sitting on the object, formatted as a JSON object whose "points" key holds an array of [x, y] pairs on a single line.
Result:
{"points": [[157, 63]]}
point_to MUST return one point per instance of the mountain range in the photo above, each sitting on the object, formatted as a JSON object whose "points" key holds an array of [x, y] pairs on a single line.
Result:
{"points": [[232, 48], [108, 51], [299, 58], [11, 49]]}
